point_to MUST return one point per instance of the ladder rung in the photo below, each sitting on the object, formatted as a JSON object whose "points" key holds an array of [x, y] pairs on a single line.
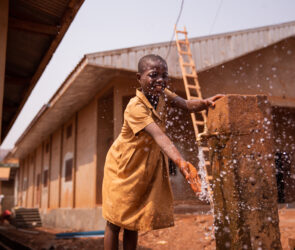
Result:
{"points": [[200, 123], [191, 75], [192, 86], [207, 163], [205, 148], [188, 64], [180, 31], [195, 98], [210, 177], [185, 52], [183, 42]]}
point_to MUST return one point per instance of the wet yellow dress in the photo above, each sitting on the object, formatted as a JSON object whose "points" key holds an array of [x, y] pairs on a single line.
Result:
{"points": [[136, 189]]}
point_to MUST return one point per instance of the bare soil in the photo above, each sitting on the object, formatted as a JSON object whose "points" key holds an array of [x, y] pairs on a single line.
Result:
{"points": [[191, 231]]}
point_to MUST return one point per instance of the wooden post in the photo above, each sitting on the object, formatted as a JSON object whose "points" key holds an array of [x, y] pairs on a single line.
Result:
{"points": [[18, 188], [118, 119], [49, 170], [60, 166], [21, 182], [74, 172], [34, 178], [41, 175], [27, 183], [244, 184], [4, 6]]}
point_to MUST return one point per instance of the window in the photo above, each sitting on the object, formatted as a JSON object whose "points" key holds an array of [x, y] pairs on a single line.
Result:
{"points": [[282, 161], [68, 170], [45, 178], [69, 131]]}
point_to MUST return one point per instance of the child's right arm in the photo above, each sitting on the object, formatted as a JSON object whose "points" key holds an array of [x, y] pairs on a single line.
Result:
{"points": [[196, 105], [186, 168]]}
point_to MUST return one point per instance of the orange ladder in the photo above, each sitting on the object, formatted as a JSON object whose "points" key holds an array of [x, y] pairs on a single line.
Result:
{"points": [[193, 91]]}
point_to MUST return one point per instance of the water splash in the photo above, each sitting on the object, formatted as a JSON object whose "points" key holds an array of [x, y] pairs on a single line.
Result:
{"points": [[205, 189], [204, 195]]}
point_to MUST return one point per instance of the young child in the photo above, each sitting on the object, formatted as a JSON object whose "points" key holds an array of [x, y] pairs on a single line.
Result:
{"points": [[136, 188]]}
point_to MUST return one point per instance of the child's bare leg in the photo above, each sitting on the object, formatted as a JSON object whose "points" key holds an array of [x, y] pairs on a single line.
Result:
{"points": [[130, 239], [111, 237]]}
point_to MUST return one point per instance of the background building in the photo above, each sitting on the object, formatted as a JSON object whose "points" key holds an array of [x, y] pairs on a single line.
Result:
{"points": [[62, 151]]}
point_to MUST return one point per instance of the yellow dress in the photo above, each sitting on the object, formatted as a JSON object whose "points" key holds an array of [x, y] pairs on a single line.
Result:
{"points": [[136, 190]]}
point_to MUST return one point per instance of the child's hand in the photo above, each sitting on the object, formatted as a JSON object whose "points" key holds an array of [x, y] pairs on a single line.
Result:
{"points": [[210, 102], [191, 175], [193, 178]]}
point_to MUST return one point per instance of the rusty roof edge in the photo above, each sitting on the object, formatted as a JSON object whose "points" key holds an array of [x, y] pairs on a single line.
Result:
{"points": [[58, 94], [70, 13], [66, 83], [194, 39], [35, 119]]}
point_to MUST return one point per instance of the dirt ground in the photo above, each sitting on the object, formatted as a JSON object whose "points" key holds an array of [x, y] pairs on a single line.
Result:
{"points": [[191, 231]]}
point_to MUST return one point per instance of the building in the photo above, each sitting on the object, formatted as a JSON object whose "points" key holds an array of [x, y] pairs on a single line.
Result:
{"points": [[62, 151], [8, 170], [30, 33]]}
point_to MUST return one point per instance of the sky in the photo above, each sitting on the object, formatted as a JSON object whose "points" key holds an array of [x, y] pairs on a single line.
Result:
{"points": [[116, 24]]}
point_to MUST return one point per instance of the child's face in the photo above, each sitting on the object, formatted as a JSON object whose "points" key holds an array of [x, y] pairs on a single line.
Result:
{"points": [[154, 78]]}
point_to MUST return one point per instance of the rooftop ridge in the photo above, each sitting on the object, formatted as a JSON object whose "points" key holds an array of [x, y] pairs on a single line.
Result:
{"points": [[193, 39]]}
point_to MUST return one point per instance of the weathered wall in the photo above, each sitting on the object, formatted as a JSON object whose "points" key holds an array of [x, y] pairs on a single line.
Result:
{"points": [[105, 137], [67, 191], [86, 157], [269, 71]]}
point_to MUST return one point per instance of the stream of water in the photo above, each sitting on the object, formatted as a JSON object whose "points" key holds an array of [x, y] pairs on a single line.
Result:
{"points": [[204, 195]]}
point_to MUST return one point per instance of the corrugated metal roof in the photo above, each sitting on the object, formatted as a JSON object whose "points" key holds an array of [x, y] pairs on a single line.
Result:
{"points": [[207, 51], [35, 29]]}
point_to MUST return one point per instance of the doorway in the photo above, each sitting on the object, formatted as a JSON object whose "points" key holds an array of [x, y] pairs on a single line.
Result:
{"points": [[282, 161]]}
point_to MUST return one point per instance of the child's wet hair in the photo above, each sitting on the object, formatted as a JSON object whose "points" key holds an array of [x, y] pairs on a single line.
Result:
{"points": [[151, 57]]}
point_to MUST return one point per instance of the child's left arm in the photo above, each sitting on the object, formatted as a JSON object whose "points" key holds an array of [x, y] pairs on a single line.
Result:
{"points": [[197, 104]]}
